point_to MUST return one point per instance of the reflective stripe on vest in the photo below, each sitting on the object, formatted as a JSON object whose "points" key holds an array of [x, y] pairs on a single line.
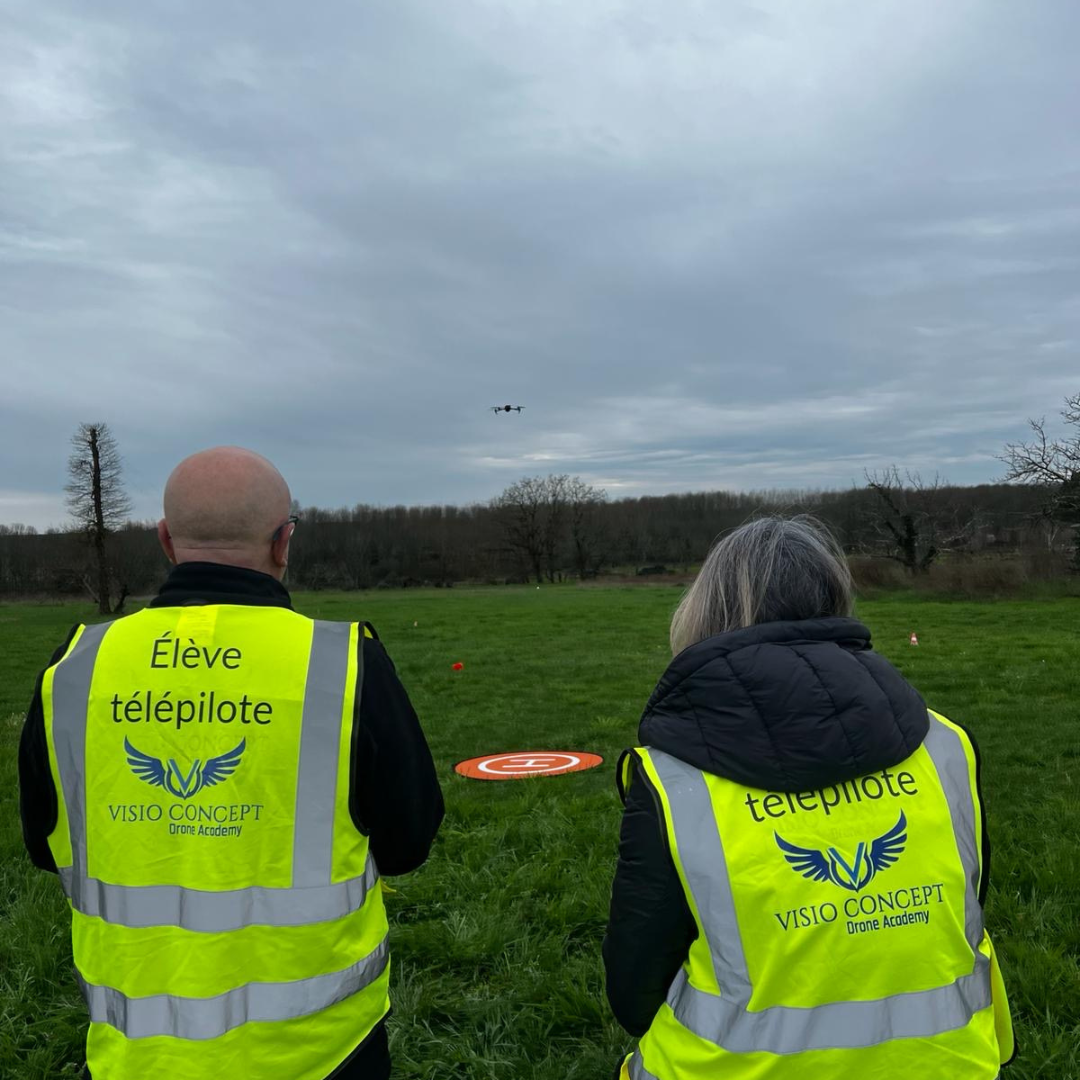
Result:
{"points": [[636, 1069], [141, 906], [208, 1018], [725, 1021], [313, 897]]}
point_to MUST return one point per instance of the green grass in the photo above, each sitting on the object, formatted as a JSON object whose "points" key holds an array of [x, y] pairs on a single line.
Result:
{"points": [[497, 939]]}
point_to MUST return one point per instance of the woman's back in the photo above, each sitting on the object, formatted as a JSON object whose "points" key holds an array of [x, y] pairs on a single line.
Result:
{"points": [[824, 835]]}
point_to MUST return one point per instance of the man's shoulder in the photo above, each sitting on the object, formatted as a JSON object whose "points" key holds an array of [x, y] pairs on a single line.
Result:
{"points": [[62, 649]]}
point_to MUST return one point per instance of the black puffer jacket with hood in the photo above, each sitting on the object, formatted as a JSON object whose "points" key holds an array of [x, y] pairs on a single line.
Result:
{"points": [[784, 706]]}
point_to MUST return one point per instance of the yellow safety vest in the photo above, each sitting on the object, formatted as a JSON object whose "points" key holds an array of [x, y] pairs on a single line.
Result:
{"points": [[226, 914], [840, 933]]}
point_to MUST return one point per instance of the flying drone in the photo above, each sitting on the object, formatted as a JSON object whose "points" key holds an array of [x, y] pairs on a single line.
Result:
{"points": [[506, 408]]}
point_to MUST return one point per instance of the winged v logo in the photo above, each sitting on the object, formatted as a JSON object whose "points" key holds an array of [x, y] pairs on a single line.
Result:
{"points": [[870, 859], [176, 782]]}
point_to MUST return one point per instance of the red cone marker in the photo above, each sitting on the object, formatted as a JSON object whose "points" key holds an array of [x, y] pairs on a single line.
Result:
{"points": [[458, 666]]}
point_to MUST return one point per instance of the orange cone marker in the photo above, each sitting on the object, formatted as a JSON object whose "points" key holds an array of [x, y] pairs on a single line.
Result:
{"points": [[914, 639]]}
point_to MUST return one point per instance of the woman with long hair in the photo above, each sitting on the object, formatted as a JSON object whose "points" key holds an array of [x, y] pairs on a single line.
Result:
{"points": [[803, 859]]}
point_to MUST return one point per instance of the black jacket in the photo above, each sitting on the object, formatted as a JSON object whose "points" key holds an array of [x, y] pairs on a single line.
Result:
{"points": [[787, 706], [394, 794]]}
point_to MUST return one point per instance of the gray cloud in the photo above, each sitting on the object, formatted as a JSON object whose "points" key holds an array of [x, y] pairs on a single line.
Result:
{"points": [[742, 245]]}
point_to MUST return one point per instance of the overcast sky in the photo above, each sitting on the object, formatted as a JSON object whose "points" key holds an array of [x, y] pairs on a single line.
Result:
{"points": [[706, 245]]}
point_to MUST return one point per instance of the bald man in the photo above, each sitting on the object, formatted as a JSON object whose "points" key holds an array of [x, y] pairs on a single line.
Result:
{"points": [[220, 783]]}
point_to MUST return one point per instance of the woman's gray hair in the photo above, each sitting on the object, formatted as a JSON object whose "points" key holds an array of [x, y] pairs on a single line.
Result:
{"points": [[770, 570]]}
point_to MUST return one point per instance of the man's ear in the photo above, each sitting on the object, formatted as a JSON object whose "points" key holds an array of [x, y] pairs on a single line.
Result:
{"points": [[165, 539], [279, 549]]}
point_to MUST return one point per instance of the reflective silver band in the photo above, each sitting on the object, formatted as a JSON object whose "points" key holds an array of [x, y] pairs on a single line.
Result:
{"points": [[637, 1068], [209, 1018], [216, 912], [638, 1071], [320, 743], [840, 1025], [70, 699], [697, 835], [724, 1019], [947, 753]]}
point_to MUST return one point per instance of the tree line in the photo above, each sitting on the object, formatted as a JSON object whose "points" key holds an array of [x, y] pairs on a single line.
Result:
{"points": [[550, 528]]}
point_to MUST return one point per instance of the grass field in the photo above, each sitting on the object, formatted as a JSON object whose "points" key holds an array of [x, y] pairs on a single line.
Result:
{"points": [[496, 941]]}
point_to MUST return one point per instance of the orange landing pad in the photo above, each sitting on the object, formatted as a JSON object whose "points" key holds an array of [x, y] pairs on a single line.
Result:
{"points": [[527, 763]]}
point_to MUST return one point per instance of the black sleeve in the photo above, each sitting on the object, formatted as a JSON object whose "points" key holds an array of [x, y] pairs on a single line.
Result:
{"points": [[37, 793], [650, 927], [984, 880], [394, 796]]}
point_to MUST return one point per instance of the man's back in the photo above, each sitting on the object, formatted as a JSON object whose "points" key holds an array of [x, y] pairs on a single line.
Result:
{"points": [[203, 775]]}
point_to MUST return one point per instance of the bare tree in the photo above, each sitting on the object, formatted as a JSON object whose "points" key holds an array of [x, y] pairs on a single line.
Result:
{"points": [[586, 527], [98, 504], [1054, 466], [534, 514], [913, 521], [521, 513], [556, 500]]}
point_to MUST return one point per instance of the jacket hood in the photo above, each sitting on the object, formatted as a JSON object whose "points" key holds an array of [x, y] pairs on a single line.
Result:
{"points": [[786, 706]]}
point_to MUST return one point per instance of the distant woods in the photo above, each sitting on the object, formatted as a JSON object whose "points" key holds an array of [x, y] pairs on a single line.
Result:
{"points": [[550, 529], [897, 527]]}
